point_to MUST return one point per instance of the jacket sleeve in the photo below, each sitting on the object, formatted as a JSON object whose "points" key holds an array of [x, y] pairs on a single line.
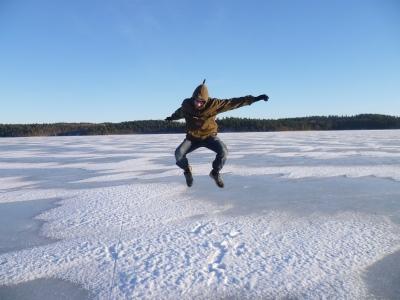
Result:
{"points": [[178, 114], [222, 105]]}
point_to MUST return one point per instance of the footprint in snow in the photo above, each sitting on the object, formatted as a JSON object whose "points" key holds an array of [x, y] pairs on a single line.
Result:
{"points": [[232, 234], [201, 228], [240, 249]]}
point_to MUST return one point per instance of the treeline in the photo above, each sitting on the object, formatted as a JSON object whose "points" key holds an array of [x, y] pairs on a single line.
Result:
{"points": [[358, 122], [364, 121], [65, 129]]}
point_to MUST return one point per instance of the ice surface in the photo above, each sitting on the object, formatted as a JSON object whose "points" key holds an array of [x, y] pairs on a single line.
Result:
{"points": [[18, 229], [383, 277], [43, 289], [303, 215]]}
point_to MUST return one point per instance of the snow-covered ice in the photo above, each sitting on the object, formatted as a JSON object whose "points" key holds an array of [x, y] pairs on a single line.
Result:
{"points": [[303, 215], [18, 228]]}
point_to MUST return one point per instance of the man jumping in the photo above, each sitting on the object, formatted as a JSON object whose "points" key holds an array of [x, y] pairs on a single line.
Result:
{"points": [[200, 112]]}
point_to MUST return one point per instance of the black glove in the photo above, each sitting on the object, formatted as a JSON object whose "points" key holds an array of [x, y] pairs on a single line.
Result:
{"points": [[168, 119], [262, 97]]}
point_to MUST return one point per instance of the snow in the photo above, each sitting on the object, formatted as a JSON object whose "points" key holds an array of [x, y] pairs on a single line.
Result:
{"points": [[303, 214]]}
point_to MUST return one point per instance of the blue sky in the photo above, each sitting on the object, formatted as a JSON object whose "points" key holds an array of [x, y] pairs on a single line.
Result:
{"points": [[111, 61]]}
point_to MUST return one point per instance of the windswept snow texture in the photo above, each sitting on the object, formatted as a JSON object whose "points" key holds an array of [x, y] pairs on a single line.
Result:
{"points": [[303, 215]]}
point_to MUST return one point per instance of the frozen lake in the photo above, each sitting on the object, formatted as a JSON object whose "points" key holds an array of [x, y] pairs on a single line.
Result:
{"points": [[305, 215]]}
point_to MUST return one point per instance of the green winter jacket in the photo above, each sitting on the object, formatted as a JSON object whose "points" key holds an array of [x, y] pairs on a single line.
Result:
{"points": [[200, 123]]}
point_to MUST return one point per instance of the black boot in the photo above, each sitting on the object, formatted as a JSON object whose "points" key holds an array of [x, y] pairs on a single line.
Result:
{"points": [[188, 176], [217, 178]]}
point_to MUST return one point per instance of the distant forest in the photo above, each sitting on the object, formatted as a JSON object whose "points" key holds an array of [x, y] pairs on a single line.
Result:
{"points": [[364, 121]]}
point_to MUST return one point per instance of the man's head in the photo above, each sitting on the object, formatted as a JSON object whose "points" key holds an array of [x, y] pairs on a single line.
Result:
{"points": [[200, 95]]}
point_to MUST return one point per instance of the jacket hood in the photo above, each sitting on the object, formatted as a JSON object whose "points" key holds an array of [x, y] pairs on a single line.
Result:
{"points": [[201, 92]]}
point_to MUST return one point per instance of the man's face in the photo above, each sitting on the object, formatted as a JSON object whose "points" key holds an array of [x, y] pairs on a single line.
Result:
{"points": [[199, 103]]}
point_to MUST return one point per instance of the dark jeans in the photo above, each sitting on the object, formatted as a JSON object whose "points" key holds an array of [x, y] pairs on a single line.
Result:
{"points": [[213, 143]]}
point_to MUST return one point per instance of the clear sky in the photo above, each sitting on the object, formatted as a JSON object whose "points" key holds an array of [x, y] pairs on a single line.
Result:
{"points": [[120, 60]]}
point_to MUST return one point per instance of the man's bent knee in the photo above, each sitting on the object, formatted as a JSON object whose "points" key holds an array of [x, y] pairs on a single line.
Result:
{"points": [[179, 154], [224, 151]]}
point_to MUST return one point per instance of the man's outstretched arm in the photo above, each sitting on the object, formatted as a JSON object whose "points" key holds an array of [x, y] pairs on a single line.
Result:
{"points": [[178, 114], [222, 105]]}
